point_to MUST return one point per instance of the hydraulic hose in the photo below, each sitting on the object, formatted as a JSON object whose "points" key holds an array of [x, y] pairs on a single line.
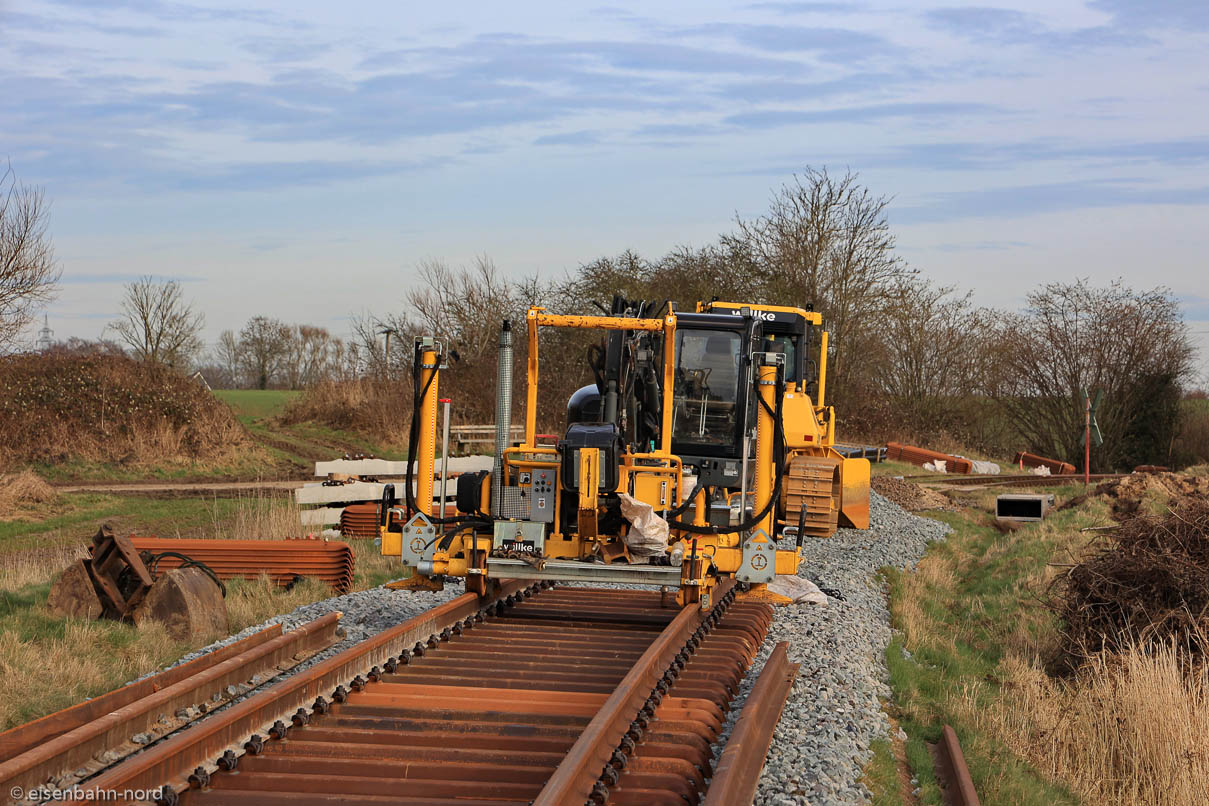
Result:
{"points": [[413, 437]]}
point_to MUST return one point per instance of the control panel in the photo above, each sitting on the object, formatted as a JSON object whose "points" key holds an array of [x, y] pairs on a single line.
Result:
{"points": [[543, 492]]}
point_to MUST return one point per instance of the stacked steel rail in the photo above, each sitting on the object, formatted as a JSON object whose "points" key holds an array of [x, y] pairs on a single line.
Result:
{"points": [[284, 561], [571, 695]]}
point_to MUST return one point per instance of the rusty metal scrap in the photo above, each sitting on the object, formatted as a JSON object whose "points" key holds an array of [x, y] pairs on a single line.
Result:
{"points": [[1055, 466], [360, 520], [896, 451], [284, 561]]}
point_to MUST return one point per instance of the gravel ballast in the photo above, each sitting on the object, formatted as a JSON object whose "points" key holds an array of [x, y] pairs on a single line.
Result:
{"points": [[822, 742]]}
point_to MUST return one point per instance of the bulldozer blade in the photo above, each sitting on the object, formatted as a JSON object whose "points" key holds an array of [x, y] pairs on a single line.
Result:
{"points": [[73, 595], [854, 493], [187, 602]]}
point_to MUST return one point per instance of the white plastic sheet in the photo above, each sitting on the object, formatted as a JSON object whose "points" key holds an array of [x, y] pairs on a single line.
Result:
{"points": [[801, 591], [648, 532]]}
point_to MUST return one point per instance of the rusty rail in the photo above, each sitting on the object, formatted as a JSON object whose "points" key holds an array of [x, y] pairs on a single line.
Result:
{"points": [[952, 770], [573, 780], [544, 695], [738, 773], [170, 763], [46, 748]]}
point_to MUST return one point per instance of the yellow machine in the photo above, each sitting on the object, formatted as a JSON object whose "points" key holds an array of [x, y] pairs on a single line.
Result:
{"points": [[704, 449]]}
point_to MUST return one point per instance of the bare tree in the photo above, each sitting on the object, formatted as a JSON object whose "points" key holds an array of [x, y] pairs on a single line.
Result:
{"points": [[263, 347], [1072, 337], [158, 324], [312, 356], [825, 242], [229, 357], [28, 273], [930, 348]]}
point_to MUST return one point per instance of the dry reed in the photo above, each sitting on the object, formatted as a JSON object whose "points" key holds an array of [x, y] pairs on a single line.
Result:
{"points": [[1128, 729]]}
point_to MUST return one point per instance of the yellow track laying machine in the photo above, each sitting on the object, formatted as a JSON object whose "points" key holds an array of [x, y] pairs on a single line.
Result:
{"points": [[704, 449]]}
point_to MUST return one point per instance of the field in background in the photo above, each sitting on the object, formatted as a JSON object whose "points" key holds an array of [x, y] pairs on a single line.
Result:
{"points": [[296, 446]]}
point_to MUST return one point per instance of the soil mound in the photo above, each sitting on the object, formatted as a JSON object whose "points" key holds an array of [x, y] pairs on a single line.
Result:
{"points": [[1147, 582], [1127, 494], [908, 495]]}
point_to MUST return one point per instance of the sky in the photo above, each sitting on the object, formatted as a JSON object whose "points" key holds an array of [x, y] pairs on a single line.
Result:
{"points": [[300, 159]]}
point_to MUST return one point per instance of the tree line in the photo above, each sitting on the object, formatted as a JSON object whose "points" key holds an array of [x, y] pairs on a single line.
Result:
{"points": [[909, 359]]}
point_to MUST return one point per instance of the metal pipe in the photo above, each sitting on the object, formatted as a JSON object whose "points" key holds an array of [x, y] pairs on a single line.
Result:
{"points": [[444, 456], [822, 369], [765, 436], [743, 476], [503, 414], [426, 450]]}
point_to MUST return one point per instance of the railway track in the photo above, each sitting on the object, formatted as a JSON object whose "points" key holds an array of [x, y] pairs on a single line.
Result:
{"points": [[541, 695]]}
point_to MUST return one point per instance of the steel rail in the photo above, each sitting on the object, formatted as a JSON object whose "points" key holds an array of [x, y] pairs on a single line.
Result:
{"points": [[147, 708], [16, 741], [1015, 479], [953, 772], [734, 782], [485, 714], [170, 763], [575, 777]]}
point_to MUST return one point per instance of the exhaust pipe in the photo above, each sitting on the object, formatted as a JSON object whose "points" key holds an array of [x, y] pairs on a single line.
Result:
{"points": [[503, 414]]}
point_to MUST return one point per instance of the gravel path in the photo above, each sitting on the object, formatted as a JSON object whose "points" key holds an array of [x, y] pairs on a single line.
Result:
{"points": [[821, 744]]}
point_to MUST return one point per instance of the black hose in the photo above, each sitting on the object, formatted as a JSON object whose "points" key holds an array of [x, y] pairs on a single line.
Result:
{"points": [[186, 562]]}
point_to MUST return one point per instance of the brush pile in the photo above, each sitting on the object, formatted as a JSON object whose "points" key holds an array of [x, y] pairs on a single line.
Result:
{"points": [[1147, 583], [108, 408]]}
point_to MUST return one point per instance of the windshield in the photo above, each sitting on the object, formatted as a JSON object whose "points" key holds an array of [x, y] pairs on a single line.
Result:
{"points": [[707, 387], [784, 344]]}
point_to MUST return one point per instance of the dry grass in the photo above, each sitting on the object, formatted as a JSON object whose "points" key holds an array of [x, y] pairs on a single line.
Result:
{"points": [[23, 493], [1128, 729], [37, 567], [74, 659], [70, 660], [376, 408]]}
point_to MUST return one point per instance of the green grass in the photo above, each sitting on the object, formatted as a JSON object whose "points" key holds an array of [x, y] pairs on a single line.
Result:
{"points": [[256, 404], [881, 774], [75, 518], [972, 599]]}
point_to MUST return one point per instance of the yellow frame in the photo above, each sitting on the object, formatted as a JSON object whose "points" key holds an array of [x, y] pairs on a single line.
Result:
{"points": [[537, 317]]}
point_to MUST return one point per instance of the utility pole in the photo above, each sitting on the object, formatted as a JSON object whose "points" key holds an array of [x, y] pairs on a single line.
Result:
{"points": [[1091, 430], [388, 332]]}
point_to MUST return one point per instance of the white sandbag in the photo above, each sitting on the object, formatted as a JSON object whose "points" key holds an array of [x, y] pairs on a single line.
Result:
{"points": [[801, 591], [984, 468], [939, 466], [1040, 471], [648, 532]]}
